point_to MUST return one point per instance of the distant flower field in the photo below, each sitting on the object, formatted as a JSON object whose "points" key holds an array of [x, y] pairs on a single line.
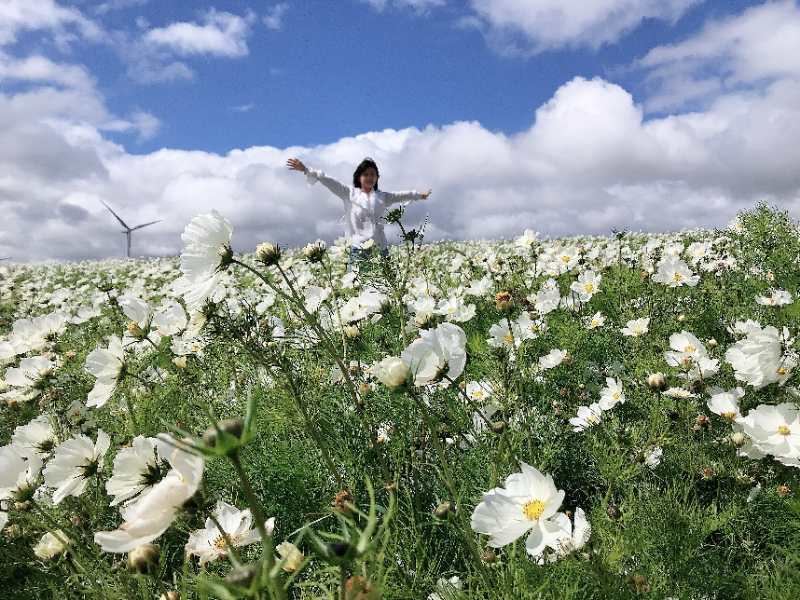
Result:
{"points": [[588, 417]]}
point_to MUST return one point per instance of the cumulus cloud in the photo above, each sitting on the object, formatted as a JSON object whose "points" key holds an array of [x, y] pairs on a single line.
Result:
{"points": [[760, 45], [27, 15], [526, 28], [274, 17], [220, 33]]}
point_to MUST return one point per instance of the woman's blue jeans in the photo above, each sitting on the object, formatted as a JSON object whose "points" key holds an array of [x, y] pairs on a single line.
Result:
{"points": [[359, 254]]}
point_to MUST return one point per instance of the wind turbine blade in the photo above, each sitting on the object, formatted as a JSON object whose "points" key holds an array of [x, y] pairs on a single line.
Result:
{"points": [[124, 224], [145, 224]]}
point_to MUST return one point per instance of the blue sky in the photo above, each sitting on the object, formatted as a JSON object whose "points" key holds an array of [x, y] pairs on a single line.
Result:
{"points": [[563, 116], [339, 68]]}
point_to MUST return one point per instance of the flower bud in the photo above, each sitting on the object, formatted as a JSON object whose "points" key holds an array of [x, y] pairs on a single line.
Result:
{"points": [[144, 559], [392, 372], [488, 556], [233, 427], [179, 361], [290, 555], [657, 381], [738, 439], [499, 426], [503, 301], [712, 342], [268, 253], [314, 251], [351, 331], [171, 595], [613, 512], [445, 508], [681, 318]]}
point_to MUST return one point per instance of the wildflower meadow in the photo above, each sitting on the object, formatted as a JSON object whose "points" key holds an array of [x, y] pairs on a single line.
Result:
{"points": [[587, 417]]}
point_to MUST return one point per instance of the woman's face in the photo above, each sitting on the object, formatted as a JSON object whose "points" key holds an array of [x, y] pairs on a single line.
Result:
{"points": [[368, 179]]}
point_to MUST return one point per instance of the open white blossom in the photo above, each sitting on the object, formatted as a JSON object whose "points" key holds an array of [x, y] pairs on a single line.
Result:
{"points": [[107, 366], [528, 503], [436, 352], [760, 359], [636, 327], [209, 543], [612, 394], [74, 462]]}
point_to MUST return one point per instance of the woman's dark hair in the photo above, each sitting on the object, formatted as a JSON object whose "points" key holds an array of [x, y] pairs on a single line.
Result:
{"points": [[365, 164]]}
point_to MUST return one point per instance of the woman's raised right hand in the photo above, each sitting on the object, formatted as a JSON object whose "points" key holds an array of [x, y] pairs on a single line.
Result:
{"points": [[296, 164]]}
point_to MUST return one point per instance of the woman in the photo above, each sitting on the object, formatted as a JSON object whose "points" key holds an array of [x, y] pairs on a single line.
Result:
{"points": [[364, 205]]}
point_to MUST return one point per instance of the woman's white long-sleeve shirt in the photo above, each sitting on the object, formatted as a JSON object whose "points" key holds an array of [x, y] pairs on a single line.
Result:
{"points": [[363, 212]]}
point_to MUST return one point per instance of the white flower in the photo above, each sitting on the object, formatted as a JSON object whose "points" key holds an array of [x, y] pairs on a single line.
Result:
{"points": [[51, 545], [588, 416], [653, 458], [759, 358], [725, 403], [447, 589], [547, 298], [595, 321], [528, 328], [391, 371], [528, 503], [148, 518], [25, 380], [206, 240], [528, 239], [636, 327], [479, 391], [106, 365], [776, 298], [552, 359], [455, 310], [587, 285], [436, 351], [612, 394], [290, 556], [573, 536], [686, 348], [772, 429], [170, 319], [138, 468], [209, 543], [18, 471], [673, 272], [37, 438], [74, 462], [678, 392], [503, 336]]}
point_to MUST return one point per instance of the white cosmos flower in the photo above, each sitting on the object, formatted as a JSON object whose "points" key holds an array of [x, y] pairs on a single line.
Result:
{"points": [[686, 348], [573, 536], [588, 416], [528, 503], [37, 438], [673, 272], [138, 468], [653, 458], [209, 543], [772, 430], [503, 336], [759, 358], [612, 394], [479, 391], [74, 462], [636, 327], [24, 381], [18, 471], [547, 298], [206, 241], [776, 298], [170, 319], [725, 403], [678, 392], [106, 365], [595, 321], [587, 285], [435, 351], [51, 544], [552, 359], [145, 520]]}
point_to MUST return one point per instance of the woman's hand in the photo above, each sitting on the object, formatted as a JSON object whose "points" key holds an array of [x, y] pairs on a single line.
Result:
{"points": [[296, 164], [424, 195]]}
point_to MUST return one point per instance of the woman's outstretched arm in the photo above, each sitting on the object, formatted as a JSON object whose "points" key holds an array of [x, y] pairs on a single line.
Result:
{"points": [[314, 175], [392, 197]]}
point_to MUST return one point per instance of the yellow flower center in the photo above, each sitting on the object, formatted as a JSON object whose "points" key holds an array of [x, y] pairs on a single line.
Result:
{"points": [[588, 287], [690, 348], [677, 277], [508, 338], [565, 258], [615, 395], [781, 370], [219, 543], [533, 510], [784, 429]]}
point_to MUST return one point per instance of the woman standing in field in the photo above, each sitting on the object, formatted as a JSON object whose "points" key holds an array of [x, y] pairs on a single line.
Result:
{"points": [[364, 205]]}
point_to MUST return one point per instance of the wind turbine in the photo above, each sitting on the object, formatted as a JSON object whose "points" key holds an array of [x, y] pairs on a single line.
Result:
{"points": [[128, 230]]}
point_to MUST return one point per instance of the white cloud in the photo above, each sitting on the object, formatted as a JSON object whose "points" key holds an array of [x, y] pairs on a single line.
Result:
{"points": [[523, 27], [31, 15], [112, 5], [760, 45], [274, 17], [419, 6], [589, 161], [220, 34]]}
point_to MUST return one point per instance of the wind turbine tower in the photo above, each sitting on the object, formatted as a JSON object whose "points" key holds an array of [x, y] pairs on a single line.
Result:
{"points": [[128, 230]]}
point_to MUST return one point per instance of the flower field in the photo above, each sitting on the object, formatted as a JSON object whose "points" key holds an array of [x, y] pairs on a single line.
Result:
{"points": [[588, 417]]}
